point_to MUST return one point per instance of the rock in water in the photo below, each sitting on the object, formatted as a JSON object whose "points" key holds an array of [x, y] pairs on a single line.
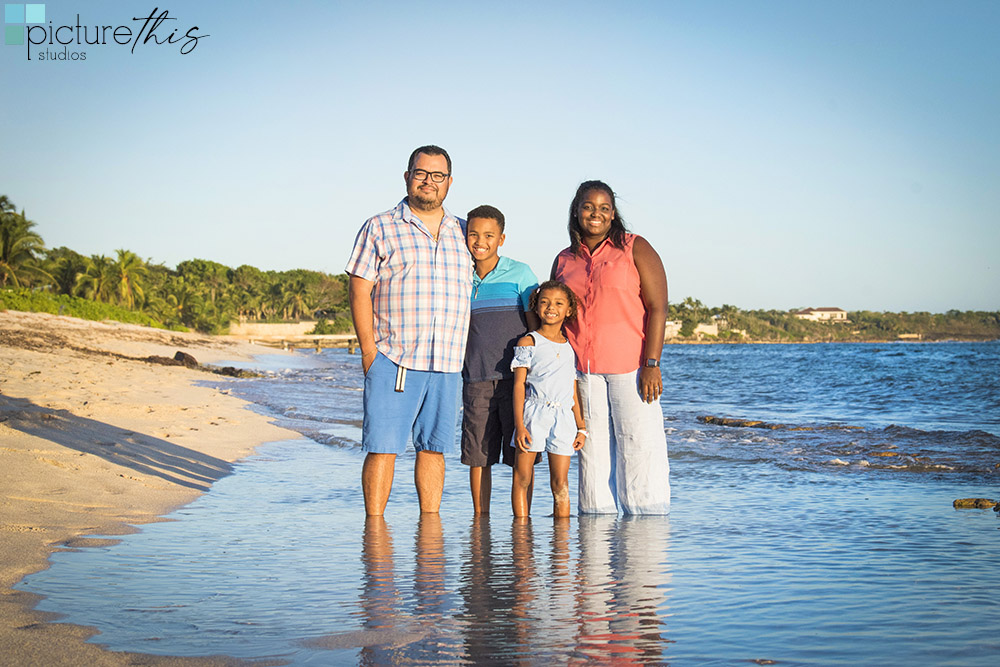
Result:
{"points": [[974, 503]]}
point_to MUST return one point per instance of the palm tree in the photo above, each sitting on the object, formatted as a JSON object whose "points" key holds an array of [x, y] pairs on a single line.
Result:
{"points": [[97, 281], [274, 299], [296, 295], [18, 245], [129, 272], [247, 291], [180, 303], [64, 265], [730, 315]]}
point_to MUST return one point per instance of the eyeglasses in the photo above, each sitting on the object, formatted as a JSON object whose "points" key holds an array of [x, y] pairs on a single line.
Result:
{"points": [[422, 174]]}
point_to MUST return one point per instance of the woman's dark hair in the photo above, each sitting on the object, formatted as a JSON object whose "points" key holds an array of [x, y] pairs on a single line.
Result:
{"points": [[554, 284], [618, 229]]}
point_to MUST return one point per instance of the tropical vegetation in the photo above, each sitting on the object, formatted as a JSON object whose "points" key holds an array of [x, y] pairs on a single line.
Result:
{"points": [[736, 325], [208, 296], [198, 294]]}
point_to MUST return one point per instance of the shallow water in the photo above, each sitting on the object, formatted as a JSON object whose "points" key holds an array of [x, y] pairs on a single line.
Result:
{"points": [[770, 552], [857, 408]]}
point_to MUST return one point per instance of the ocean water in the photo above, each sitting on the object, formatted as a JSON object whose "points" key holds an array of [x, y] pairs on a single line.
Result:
{"points": [[823, 535]]}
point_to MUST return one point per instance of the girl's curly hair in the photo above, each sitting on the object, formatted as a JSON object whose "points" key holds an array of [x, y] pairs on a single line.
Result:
{"points": [[554, 284]]}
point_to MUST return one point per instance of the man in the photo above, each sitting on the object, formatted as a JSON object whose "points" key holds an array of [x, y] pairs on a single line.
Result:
{"points": [[410, 292]]}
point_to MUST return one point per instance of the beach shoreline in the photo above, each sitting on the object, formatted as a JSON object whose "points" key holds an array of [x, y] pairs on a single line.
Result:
{"points": [[95, 441]]}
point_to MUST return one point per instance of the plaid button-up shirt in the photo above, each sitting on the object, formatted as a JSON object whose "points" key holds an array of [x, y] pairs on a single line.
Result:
{"points": [[422, 288]]}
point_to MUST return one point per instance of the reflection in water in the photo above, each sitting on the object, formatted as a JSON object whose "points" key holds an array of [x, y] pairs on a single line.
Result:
{"points": [[400, 628], [623, 590], [525, 588], [563, 586], [487, 595], [560, 591], [380, 599], [428, 580], [432, 601]]}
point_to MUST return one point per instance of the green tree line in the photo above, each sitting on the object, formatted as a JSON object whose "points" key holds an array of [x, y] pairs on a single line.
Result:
{"points": [[198, 294], [783, 326], [207, 296]]}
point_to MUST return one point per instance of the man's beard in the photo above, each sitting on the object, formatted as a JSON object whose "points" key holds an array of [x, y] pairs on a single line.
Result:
{"points": [[422, 202]]}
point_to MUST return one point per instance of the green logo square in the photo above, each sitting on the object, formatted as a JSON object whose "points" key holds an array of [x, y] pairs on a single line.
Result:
{"points": [[13, 35]]}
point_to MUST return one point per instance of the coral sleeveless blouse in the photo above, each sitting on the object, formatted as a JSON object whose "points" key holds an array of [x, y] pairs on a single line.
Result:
{"points": [[609, 329]]}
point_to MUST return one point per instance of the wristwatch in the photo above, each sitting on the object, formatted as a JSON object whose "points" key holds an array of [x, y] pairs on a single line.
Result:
{"points": [[652, 363]]}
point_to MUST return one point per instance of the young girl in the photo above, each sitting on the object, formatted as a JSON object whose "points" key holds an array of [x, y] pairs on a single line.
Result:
{"points": [[547, 415]]}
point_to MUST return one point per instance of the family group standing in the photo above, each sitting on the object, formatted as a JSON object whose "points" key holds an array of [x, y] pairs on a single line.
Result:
{"points": [[442, 317]]}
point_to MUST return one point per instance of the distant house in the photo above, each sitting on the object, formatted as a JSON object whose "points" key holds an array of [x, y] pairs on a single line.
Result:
{"points": [[822, 314], [672, 329], [706, 330]]}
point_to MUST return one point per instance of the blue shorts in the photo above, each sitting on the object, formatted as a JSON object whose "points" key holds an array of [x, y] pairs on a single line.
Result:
{"points": [[426, 409], [552, 430]]}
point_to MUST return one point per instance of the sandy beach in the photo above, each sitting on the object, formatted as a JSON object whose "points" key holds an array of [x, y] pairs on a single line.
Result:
{"points": [[94, 440]]}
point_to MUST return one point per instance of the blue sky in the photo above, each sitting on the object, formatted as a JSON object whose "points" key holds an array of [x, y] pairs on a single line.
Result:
{"points": [[776, 154]]}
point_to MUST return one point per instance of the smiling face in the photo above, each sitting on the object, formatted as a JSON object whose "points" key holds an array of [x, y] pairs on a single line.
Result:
{"points": [[595, 212], [426, 195], [484, 238], [553, 306]]}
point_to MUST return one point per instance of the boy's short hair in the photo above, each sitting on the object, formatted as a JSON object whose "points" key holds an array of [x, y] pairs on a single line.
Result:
{"points": [[554, 284], [487, 211]]}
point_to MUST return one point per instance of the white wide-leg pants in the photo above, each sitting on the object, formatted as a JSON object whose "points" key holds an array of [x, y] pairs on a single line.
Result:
{"points": [[623, 467]]}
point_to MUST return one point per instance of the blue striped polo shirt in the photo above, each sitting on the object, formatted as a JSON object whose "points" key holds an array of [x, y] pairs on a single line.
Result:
{"points": [[499, 302]]}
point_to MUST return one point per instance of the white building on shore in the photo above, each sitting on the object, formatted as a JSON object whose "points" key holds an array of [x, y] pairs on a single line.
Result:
{"points": [[822, 314]]}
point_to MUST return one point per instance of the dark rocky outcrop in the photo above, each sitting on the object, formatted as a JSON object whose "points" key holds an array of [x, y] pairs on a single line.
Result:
{"points": [[163, 361], [745, 423], [186, 359], [975, 503], [232, 372], [754, 423]]}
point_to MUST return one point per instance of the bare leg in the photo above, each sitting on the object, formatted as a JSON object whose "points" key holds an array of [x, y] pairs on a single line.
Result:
{"points": [[376, 482], [531, 482], [428, 474], [559, 481], [481, 483], [524, 476]]}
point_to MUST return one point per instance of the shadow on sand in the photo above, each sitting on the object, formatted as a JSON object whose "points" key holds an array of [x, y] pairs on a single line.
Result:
{"points": [[142, 453]]}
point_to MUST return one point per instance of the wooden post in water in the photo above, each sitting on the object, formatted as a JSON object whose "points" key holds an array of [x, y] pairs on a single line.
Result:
{"points": [[350, 346]]}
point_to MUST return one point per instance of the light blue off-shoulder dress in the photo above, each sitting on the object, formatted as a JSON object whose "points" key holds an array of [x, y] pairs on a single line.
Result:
{"points": [[548, 396]]}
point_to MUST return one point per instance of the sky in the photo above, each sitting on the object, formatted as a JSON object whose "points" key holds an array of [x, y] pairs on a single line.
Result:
{"points": [[777, 154]]}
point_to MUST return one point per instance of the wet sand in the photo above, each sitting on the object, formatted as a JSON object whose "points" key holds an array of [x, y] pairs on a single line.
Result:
{"points": [[94, 441]]}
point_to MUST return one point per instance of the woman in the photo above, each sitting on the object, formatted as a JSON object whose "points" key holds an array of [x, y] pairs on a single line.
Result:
{"points": [[618, 336]]}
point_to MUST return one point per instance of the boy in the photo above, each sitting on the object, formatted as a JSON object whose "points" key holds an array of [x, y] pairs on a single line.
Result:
{"points": [[500, 315]]}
